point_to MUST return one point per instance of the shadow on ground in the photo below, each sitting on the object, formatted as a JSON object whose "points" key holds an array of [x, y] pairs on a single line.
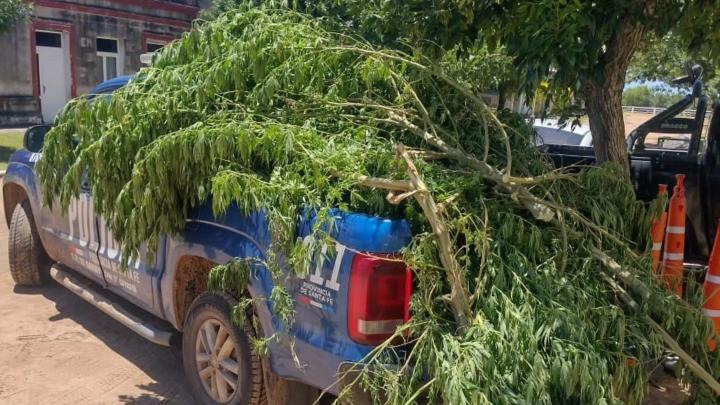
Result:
{"points": [[161, 364]]}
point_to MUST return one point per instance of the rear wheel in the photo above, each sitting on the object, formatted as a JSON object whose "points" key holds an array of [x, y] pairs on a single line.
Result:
{"points": [[29, 263], [219, 362]]}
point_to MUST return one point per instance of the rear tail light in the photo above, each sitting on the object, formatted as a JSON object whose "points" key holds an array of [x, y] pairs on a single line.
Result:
{"points": [[379, 298]]}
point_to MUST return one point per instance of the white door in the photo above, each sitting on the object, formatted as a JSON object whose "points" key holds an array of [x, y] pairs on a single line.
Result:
{"points": [[52, 72]]}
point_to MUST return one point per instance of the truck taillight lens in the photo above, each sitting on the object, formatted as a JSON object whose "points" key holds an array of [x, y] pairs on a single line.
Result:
{"points": [[379, 298]]}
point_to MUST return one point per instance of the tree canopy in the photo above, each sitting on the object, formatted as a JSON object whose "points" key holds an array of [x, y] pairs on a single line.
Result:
{"points": [[11, 11], [661, 58], [578, 46], [566, 41], [664, 58]]}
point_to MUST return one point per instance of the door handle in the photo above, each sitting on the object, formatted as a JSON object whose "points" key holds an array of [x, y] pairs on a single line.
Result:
{"points": [[43, 89]]}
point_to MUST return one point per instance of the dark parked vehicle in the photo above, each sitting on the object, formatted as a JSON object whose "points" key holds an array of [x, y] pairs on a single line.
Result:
{"points": [[553, 132], [668, 144]]}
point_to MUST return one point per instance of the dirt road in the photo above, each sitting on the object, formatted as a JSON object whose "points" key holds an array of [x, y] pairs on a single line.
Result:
{"points": [[57, 349]]}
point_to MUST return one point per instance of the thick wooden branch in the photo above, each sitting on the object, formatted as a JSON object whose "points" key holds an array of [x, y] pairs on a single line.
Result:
{"points": [[459, 298], [386, 184], [624, 275], [396, 199], [427, 154], [528, 200]]}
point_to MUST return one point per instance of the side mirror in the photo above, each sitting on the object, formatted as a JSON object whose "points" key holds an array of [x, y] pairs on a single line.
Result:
{"points": [[35, 137]]}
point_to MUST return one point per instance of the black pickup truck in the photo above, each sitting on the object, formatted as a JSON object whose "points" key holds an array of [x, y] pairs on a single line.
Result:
{"points": [[668, 144]]}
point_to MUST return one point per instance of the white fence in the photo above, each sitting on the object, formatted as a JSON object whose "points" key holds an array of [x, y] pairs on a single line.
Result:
{"points": [[689, 113]]}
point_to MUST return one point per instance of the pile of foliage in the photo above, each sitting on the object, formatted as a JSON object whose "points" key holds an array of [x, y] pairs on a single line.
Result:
{"points": [[528, 287]]}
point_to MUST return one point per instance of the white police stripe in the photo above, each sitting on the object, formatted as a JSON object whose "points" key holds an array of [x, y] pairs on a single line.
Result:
{"points": [[674, 256], [378, 327], [676, 230], [712, 278], [657, 246], [711, 313]]}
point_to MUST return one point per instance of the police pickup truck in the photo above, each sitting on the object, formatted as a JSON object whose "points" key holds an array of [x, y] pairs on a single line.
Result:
{"points": [[339, 313]]}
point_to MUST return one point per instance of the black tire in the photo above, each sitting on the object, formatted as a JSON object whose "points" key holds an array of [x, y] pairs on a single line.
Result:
{"points": [[213, 307], [29, 263]]}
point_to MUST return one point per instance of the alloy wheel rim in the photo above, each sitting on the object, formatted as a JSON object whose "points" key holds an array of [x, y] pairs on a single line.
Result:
{"points": [[217, 362]]}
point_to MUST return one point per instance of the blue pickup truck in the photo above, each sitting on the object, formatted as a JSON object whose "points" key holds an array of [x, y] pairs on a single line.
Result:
{"points": [[350, 301]]}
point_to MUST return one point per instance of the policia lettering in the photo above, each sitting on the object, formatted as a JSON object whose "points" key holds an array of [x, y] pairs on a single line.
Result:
{"points": [[86, 227]]}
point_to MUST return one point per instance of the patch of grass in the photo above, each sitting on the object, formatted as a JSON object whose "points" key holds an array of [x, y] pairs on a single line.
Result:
{"points": [[10, 141]]}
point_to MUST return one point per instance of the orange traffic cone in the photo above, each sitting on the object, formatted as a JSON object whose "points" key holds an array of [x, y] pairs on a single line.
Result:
{"points": [[672, 272], [657, 230], [711, 289]]}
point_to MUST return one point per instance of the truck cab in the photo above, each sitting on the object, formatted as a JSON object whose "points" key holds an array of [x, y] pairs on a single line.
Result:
{"points": [[672, 142]]}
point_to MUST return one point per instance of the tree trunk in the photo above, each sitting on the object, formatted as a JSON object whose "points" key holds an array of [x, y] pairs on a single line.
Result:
{"points": [[603, 97], [604, 106]]}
